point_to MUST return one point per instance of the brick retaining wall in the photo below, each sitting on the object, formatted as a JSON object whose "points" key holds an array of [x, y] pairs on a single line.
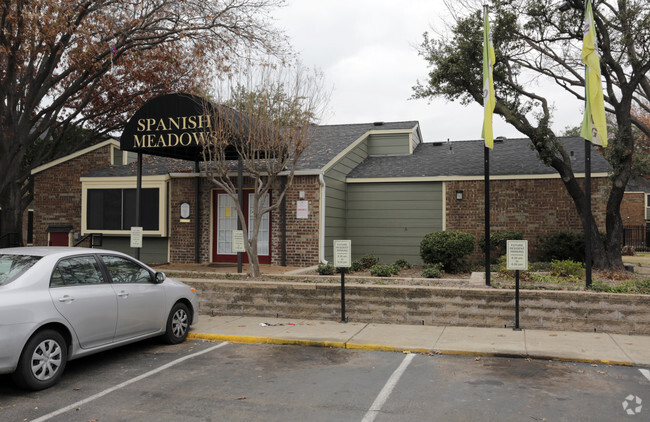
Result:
{"points": [[553, 310]]}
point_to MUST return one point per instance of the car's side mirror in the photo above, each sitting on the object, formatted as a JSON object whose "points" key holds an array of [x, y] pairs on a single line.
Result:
{"points": [[160, 277]]}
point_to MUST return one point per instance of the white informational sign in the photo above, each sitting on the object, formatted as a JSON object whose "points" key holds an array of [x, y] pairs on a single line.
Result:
{"points": [[342, 253], [136, 237], [302, 209], [517, 254], [238, 241]]}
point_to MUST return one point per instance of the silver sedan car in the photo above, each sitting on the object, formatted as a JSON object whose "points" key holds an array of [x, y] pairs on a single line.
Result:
{"points": [[58, 304]]}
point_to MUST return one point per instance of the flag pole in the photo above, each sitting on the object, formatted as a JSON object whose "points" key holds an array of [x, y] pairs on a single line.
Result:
{"points": [[486, 160], [588, 212], [487, 132]]}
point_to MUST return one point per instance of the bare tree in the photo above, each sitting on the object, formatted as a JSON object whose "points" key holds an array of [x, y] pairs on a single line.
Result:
{"points": [[268, 121], [90, 64]]}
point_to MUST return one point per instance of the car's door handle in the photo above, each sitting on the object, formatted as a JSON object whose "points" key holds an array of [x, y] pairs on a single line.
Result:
{"points": [[66, 299], [123, 294]]}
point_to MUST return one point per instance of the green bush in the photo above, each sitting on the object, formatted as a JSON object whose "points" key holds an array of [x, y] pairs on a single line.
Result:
{"points": [[448, 247], [567, 268], [383, 270], [369, 260], [364, 262], [432, 270], [499, 241], [402, 263], [561, 246], [356, 266], [325, 269]]}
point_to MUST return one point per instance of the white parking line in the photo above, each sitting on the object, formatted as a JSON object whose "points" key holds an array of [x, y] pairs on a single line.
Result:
{"points": [[124, 384], [388, 388], [646, 373]]}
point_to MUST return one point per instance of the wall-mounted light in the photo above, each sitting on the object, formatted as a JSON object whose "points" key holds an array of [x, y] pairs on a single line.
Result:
{"points": [[459, 194]]}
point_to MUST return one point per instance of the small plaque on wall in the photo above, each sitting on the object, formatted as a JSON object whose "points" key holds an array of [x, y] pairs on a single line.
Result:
{"points": [[185, 210], [302, 209]]}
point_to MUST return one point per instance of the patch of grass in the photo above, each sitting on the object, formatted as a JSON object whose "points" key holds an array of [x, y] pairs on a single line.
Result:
{"points": [[630, 286]]}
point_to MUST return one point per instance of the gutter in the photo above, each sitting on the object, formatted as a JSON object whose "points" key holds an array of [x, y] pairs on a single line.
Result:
{"points": [[321, 225]]}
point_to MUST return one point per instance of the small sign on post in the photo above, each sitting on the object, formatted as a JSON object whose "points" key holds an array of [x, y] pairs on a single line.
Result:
{"points": [[517, 259], [342, 260], [136, 237], [517, 255]]}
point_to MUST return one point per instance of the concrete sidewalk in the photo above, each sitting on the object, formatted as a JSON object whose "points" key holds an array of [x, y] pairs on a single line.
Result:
{"points": [[614, 349]]}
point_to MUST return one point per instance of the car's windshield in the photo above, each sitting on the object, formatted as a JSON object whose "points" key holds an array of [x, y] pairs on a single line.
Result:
{"points": [[11, 266]]}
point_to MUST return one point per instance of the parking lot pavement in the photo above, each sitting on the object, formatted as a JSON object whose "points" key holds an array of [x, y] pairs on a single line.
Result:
{"points": [[203, 381]]}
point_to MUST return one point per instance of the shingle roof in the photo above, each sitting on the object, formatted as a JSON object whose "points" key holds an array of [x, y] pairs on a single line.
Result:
{"points": [[510, 157], [328, 141], [639, 184]]}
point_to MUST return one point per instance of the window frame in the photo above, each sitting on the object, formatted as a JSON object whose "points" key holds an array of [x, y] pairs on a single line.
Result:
{"points": [[159, 182], [152, 275], [103, 274]]}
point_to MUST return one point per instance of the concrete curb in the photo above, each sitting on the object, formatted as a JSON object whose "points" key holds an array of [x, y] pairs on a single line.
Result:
{"points": [[386, 348]]}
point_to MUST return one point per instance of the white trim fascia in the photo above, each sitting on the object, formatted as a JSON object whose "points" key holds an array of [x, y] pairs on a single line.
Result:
{"points": [[186, 175], [75, 155], [635, 191], [389, 131], [462, 178], [346, 151], [109, 180]]}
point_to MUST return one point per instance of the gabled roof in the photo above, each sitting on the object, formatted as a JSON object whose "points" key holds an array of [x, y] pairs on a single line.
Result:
{"points": [[638, 184], [465, 158], [328, 142], [75, 155]]}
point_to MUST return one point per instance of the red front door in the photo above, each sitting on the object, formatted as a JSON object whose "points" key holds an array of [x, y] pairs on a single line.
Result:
{"points": [[225, 221], [59, 239]]}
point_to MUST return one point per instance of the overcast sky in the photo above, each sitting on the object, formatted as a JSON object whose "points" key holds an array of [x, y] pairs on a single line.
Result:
{"points": [[367, 51]]}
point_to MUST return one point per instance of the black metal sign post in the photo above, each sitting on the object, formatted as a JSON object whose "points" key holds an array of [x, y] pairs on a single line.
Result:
{"points": [[517, 259], [342, 261], [517, 301], [343, 319]]}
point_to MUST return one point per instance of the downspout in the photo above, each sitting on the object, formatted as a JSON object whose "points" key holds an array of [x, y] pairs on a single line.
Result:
{"points": [[321, 228]]}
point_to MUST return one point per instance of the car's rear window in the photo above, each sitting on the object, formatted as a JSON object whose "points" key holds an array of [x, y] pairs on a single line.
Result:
{"points": [[12, 266]]}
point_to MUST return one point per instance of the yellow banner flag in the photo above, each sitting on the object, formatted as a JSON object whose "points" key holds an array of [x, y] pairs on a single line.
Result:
{"points": [[488, 83], [594, 124]]}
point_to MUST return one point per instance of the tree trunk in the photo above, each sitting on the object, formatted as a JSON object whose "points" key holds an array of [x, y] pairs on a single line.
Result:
{"points": [[12, 216]]}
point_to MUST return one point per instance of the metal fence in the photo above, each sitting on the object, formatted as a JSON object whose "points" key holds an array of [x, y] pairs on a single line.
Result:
{"points": [[638, 237]]}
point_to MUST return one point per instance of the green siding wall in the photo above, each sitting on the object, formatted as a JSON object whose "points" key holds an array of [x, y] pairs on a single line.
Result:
{"points": [[336, 195], [388, 144], [154, 249], [390, 219]]}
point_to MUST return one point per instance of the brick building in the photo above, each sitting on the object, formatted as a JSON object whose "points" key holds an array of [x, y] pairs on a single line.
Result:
{"points": [[376, 184]]}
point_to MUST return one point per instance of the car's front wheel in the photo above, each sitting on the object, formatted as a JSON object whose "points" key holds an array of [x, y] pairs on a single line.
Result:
{"points": [[178, 324], [42, 361]]}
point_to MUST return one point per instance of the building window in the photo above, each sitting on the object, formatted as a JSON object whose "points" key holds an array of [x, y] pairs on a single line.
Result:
{"points": [[30, 227], [647, 206], [114, 209], [120, 158]]}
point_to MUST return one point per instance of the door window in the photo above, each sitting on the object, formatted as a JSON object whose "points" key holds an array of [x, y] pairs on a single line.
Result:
{"points": [[77, 270], [227, 222], [123, 270]]}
